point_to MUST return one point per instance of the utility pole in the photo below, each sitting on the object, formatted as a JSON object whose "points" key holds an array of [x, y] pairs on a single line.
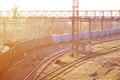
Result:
{"points": [[4, 25], [75, 27], [15, 10]]}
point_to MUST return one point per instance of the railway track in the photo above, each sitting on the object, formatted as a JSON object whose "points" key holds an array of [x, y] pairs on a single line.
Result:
{"points": [[28, 57], [42, 66], [31, 55], [60, 72], [28, 60], [101, 52]]}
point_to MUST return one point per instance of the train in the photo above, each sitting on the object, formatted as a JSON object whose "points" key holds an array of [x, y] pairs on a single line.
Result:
{"points": [[24, 46]]}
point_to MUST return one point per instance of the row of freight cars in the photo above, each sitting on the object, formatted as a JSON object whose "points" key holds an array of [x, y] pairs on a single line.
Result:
{"points": [[5, 55], [20, 47]]}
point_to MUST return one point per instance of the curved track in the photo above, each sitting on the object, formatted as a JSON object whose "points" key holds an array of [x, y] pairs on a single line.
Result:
{"points": [[42, 66], [40, 56], [53, 75]]}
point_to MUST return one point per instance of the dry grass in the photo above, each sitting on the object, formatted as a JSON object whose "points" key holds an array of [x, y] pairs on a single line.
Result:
{"points": [[95, 68]]}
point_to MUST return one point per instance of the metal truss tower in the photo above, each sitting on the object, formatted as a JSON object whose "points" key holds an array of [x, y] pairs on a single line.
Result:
{"points": [[75, 26]]}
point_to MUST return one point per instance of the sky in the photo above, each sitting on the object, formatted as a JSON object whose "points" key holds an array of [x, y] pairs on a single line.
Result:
{"points": [[60, 4]]}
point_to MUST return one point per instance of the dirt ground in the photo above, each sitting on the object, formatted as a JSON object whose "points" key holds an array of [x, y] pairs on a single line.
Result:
{"points": [[105, 67]]}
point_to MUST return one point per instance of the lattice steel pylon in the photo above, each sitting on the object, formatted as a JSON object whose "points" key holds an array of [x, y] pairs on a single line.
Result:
{"points": [[75, 26]]}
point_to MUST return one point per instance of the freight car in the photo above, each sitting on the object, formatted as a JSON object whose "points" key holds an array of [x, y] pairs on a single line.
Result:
{"points": [[5, 57], [27, 45]]}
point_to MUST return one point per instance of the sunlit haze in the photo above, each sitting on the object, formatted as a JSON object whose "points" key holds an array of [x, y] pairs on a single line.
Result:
{"points": [[60, 4]]}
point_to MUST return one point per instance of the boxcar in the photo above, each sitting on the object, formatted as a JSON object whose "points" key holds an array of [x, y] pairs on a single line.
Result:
{"points": [[5, 57]]}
